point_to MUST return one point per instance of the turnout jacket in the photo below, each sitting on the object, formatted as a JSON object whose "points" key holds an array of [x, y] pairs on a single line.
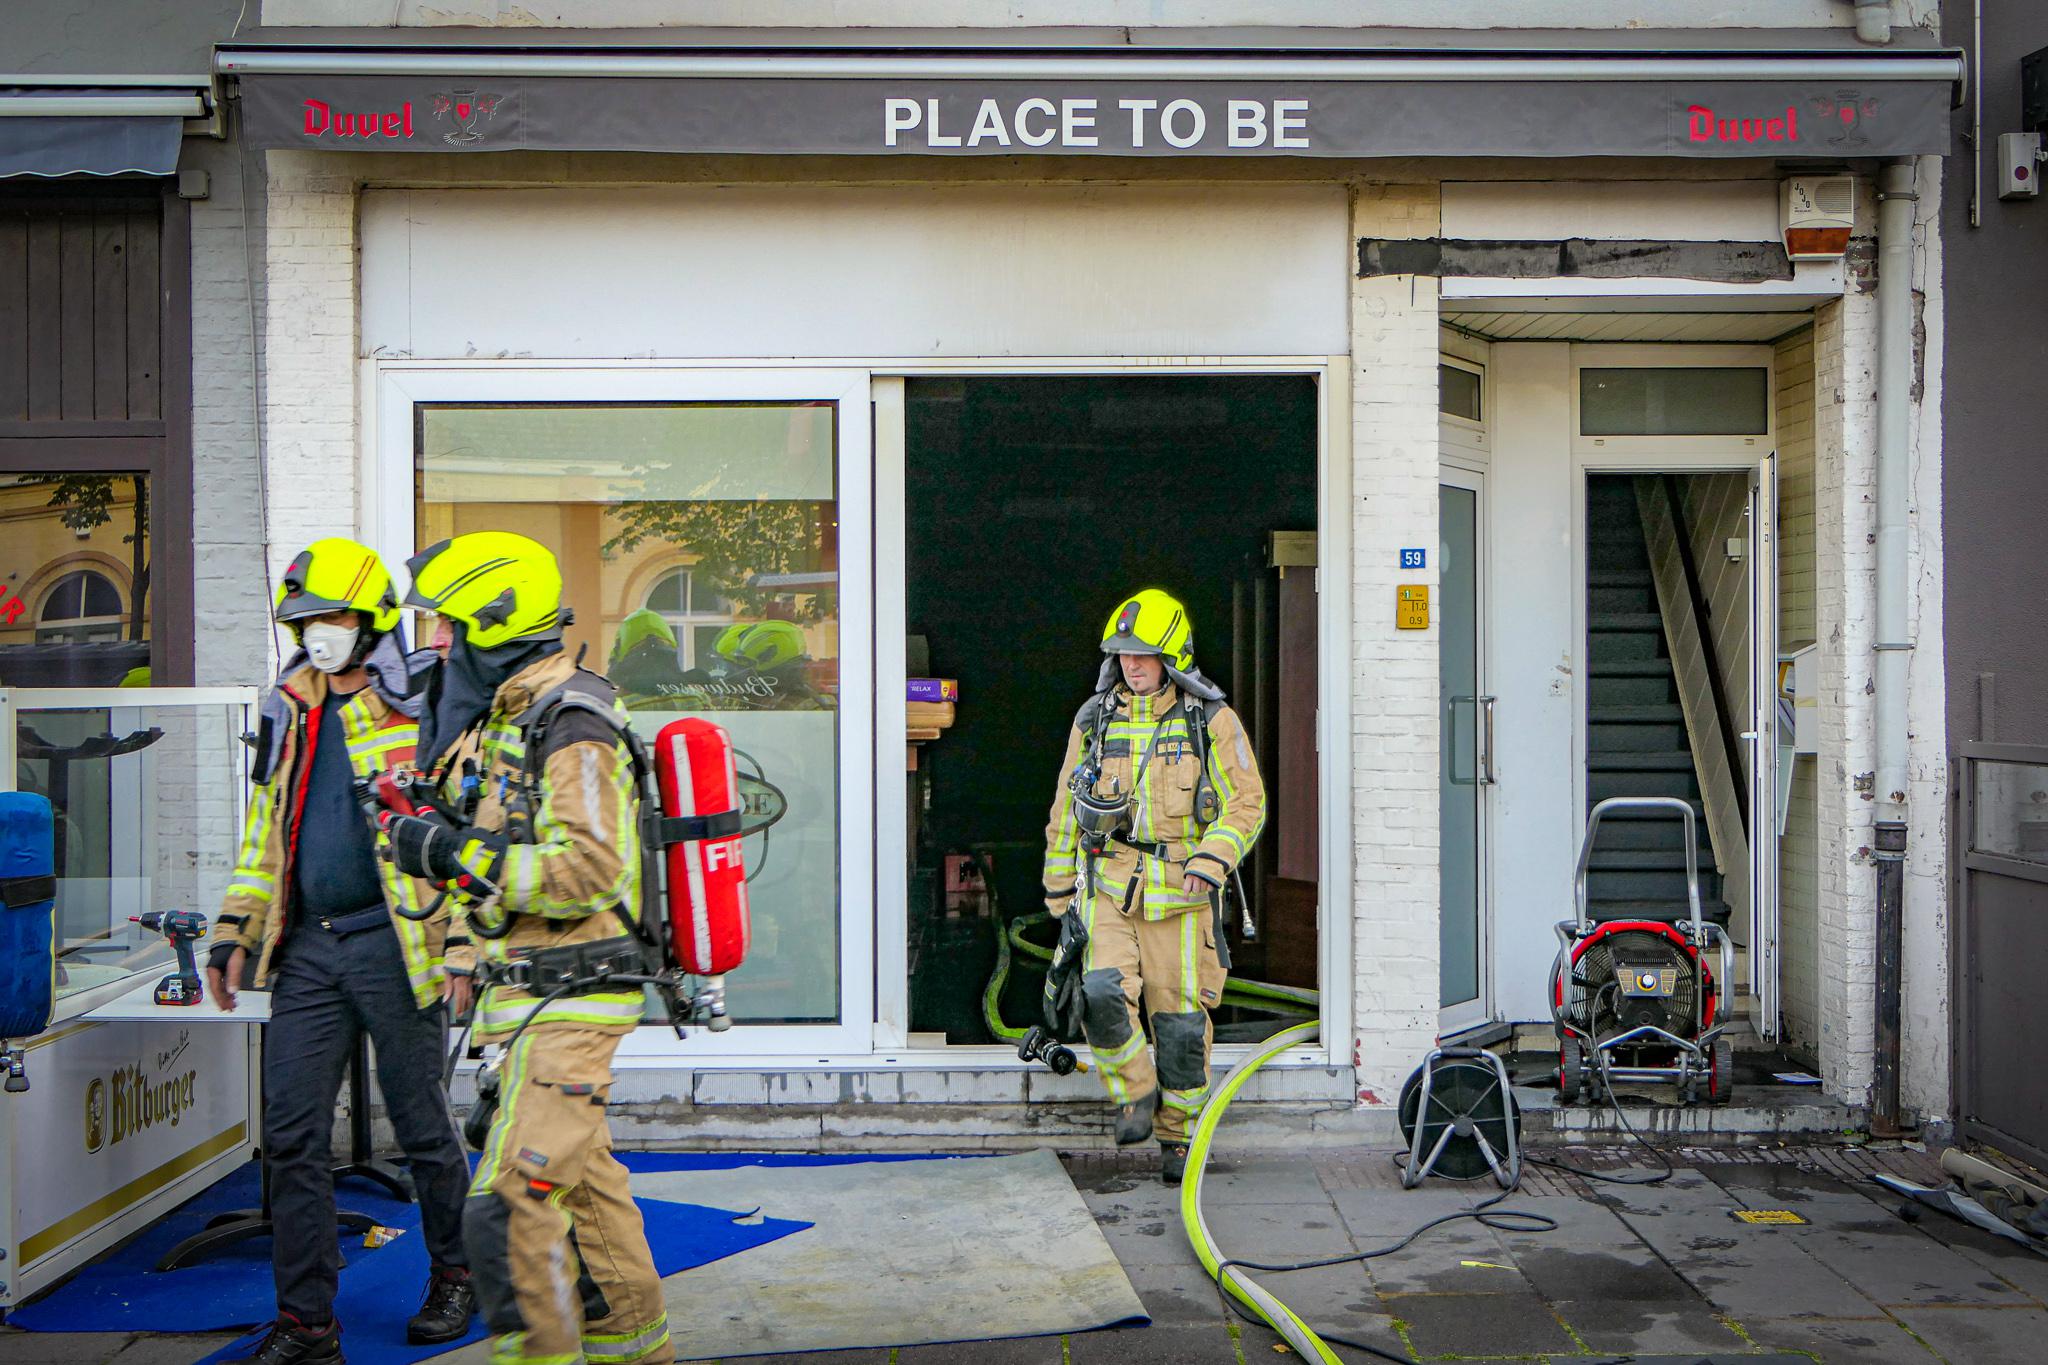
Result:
{"points": [[381, 734], [571, 871], [1162, 802]]}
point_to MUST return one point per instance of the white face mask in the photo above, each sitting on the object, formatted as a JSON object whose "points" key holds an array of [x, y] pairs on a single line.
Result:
{"points": [[330, 647]]}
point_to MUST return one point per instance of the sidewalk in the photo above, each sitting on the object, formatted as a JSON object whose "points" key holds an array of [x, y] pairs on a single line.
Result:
{"points": [[1664, 1273]]}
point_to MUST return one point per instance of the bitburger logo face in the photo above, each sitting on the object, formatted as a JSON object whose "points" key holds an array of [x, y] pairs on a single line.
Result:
{"points": [[95, 1115]]}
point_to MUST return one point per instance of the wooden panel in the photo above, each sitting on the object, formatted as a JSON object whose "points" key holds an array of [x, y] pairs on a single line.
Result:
{"points": [[145, 321], [110, 315], [74, 317], [45, 372], [13, 317], [81, 309]]}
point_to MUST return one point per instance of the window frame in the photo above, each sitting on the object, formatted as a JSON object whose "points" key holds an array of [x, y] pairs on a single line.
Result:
{"points": [[388, 473]]}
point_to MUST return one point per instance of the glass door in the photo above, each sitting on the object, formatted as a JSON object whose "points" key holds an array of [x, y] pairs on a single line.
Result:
{"points": [[706, 524], [1465, 719]]}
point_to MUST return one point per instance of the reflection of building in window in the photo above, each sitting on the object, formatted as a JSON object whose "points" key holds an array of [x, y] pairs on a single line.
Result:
{"points": [[83, 607], [695, 611]]}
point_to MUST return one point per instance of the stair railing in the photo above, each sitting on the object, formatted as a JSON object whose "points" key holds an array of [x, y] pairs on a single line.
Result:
{"points": [[1708, 655]]}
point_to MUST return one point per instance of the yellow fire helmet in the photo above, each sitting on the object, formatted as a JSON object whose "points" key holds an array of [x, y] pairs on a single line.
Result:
{"points": [[502, 586], [1151, 622], [760, 644], [337, 575]]}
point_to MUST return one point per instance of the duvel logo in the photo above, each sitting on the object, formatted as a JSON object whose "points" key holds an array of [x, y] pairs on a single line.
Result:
{"points": [[465, 109]]}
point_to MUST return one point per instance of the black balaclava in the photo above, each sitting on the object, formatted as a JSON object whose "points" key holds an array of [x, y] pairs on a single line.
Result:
{"points": [[459, 691]]}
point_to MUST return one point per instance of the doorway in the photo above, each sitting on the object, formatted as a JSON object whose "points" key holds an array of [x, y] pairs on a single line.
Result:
{"points": [[1678, 613], [1032, 505]]}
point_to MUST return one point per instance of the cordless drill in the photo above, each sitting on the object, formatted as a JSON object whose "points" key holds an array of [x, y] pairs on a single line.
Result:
{"points": [[183, 928]]}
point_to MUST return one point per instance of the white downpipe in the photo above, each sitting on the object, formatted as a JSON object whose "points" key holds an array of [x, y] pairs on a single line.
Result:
{"points": [[1874, 20], [1896, 197]]}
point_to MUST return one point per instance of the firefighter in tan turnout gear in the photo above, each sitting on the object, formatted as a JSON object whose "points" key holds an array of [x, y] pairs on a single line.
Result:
{"points": [[1158, 802], [538, 837]]}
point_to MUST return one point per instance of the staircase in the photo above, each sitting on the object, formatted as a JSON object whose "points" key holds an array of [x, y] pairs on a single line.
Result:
{"points": [[1635, 732]]}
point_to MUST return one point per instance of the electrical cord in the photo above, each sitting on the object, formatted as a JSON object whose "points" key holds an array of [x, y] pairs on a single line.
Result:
{"points": [[1249, 1300]]}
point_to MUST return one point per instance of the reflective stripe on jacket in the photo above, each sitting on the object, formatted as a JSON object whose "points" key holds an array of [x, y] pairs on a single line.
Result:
{"points": [[1162, 803], [256, 909]]}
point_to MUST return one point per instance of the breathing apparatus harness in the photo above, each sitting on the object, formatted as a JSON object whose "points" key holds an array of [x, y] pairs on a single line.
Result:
{"points": [[643, 956], [1104, 820]]}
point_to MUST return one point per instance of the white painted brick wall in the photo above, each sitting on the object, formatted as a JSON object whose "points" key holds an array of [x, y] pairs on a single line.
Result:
{"points": [[309, 311], [1394, 718], [233, 606]]}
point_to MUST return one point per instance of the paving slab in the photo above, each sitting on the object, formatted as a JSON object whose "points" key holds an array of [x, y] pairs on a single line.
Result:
{"points": [[1278, 1232], [1840, 1341], [1742, 1269], [1636, 1326], [1010, 1351], [1457, 1257], [1339, 1298], [64, 1348], [1517, 1324], [1981, 1336], [1176, 1345], [1177, 1295], [879, 1356], [1259, 1180], [2024, 1270], [1259, 1342]]}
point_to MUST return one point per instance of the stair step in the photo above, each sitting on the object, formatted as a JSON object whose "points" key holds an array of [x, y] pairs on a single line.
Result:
{"points": [[1633, 668], [1644, 859], [1670, 713], [1605, 784], [1619, 578], [1661, 761], [1715, 911], [1605, 689], [1611, 622]]}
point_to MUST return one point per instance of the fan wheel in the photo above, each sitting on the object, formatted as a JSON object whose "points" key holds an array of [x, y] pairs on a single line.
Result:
{"points": [[1461, 1094], [1571, 1070], [1721, 1075]]}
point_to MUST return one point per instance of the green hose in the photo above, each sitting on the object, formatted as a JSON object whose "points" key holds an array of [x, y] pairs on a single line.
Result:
{"points": [[1263, 996], [1235, 1282]]}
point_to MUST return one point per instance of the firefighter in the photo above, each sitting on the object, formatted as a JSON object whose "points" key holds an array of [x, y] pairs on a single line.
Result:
{"points": [[1159, 801], [322, 915], [537, 833]]}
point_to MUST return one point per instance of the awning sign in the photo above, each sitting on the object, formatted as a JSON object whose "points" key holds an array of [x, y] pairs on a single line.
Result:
{"points": [[1211, 118]]}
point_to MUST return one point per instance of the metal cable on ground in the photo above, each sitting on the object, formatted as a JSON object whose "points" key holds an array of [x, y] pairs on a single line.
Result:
{"points": [[1229, 1273], [1621, 1117]]}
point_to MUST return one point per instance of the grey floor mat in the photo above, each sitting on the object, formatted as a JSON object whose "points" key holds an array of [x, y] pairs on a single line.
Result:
{"points": [[902, 1253]]}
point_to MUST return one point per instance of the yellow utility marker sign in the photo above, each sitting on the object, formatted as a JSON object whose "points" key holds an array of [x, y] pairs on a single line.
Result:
{"points": [[1411, 606], [1771, 1217]]}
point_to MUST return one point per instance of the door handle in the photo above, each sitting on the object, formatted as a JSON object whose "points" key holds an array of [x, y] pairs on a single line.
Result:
{"points": [[1486, 774], [1451, 721]]}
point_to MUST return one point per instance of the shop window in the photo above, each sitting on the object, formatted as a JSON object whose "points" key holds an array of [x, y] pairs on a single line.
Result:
{"points": [[69, 541], [696, 612], [1674, 400], [747, 633]]}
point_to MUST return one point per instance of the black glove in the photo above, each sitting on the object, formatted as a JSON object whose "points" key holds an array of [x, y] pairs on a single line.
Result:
{"points": [[423, 846], [1063, 1002], [217, 956]]}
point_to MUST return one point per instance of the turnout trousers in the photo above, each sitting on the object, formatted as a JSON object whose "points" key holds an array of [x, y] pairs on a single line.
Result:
{"points": [[330, 991], [559, 1256], [1171, 969]]}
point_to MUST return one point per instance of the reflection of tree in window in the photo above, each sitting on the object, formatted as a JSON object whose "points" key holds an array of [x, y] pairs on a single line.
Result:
{"points": [[694, 609], [83, 608], [735, 541]]}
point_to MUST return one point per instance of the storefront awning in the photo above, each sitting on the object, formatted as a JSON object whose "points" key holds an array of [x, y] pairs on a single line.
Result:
{"points": [[1075, 93], [93, 130]]}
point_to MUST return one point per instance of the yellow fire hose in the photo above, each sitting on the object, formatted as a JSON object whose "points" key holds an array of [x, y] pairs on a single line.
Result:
{"points": [[1235, 1282]]}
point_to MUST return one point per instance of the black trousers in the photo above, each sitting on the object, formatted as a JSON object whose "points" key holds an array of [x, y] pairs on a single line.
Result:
{"points": [[329, 992]]}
